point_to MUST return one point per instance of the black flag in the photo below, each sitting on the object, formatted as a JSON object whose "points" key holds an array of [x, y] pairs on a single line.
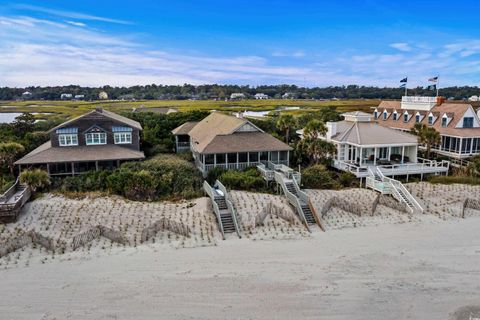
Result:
{"points": [[403, 80]]}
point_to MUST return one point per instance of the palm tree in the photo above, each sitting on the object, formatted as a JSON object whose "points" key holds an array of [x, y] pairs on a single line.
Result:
{"points": [[285, 123], [427, 136], [9, 152], [35, 179], [314, 129]]}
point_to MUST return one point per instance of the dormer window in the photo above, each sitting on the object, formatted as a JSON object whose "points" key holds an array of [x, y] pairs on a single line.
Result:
{"points": [[96, 138], [417, 117], [67, 137], [444, 121], [405, 117], [122, 135], [385, 115], [395, 115], [375, 114], [430, 119], [468, 122]]}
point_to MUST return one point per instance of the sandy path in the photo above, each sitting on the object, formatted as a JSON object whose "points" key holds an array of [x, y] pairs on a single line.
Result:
{"points": [[410, 271]]}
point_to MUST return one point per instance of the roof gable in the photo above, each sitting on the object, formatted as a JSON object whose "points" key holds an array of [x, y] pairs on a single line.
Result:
{"points": [[101, 113]]}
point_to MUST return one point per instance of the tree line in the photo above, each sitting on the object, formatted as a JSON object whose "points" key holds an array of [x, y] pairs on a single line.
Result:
{"points": [[221, 92]]}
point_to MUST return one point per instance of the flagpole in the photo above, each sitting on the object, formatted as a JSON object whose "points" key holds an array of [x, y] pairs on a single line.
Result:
{"points": [[405, 89]]}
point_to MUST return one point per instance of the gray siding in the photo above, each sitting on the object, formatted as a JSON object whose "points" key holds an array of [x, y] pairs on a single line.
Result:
{"points": [[103, 122]]}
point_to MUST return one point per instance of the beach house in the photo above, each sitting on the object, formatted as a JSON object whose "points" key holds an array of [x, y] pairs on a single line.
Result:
{"points": [[97, 140], [457, 123], [228, 142], [361, 144]]}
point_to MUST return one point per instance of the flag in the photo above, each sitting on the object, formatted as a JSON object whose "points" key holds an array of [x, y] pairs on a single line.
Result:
{"points": [[432, 87], [403, 85], [434, 79], [404, 80]]}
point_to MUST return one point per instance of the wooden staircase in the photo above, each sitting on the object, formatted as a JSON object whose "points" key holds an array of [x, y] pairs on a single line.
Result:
{"points": [[223, 208], [12, 201]]}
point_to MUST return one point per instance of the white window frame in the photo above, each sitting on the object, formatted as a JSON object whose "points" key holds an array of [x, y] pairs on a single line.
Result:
{"points": [[122, 137], [95, 136], [67, 139]]}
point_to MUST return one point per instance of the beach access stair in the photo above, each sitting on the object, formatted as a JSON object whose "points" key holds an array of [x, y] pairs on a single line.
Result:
{"points": [[289, 181], [223, 208], [377, 181], [12, 201]]}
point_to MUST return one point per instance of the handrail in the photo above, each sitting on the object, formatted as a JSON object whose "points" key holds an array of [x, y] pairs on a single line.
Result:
{"points": [[291, 198], [230, 206], [208, 190], [10, 191], [305, 198]]}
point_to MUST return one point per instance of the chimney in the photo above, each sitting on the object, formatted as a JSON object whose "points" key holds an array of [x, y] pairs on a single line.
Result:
{"points": [[440, 100], [99, 109], [331, 130]]}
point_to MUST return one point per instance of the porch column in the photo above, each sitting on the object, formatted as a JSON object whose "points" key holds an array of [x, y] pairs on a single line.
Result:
{"points": [[48, 168], [226, 161], [389, 153], [96, 165], [288, 158], [471, 145], [214, 160], [460, 148], [375, 156], [237, 160], [403, 153], [73, 168], [278, 156], [203, 163], [248, 159], [176, 143], [361, 156]]}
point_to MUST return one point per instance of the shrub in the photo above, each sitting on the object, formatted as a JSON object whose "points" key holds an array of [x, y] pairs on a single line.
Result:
{"points": [[347, 179], [250, 179], [214, 174], [35, 179], [317, 177], [454, 179]]}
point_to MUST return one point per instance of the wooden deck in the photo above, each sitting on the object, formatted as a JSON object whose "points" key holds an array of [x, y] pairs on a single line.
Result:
{"points": [[12, 201]]}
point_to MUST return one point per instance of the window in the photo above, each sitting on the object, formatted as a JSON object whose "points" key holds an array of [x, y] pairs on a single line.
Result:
{"points": [[395, 116], [430, 120], [96, 138], [385, 114], [444, 121], [382, 153], [468, 122], [417, 118], [375, 115], [405, 117], [122, 137], [67, 140]]}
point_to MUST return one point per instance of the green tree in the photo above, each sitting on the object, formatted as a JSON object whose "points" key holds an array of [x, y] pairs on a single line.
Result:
{"points": [[427, 136], [314, 129], [35, 179], [286, 122], [23, 124], [315, 148], [9, 152]]}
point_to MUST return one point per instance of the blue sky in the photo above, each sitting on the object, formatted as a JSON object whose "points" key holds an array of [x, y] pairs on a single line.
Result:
{"points": [[313, 43]]}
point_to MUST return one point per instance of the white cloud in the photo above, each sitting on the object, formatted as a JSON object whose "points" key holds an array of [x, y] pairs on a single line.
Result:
{"points": [[291, 54], [76, 23], [402, 46], [70, 14]]}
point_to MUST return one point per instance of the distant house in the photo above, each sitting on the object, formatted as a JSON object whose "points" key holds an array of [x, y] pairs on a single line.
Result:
{"points": [[103, 95], [164, 110], [66, 96], [473, 98], [97, 140], [26, 95], [79, 97], [261, 96], [457, 123], [288, 95], [223, 141], [237, 96]]}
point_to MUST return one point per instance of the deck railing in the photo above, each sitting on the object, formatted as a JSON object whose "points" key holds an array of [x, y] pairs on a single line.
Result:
{"points": [[208, 190], [230, 206]]}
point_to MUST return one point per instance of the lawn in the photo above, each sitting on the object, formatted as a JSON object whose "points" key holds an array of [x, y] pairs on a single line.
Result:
{"points": [[67, 109]]}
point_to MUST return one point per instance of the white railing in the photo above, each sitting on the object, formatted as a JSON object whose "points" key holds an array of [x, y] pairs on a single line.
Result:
{"points": [[230, 206], [266, 173], [280, 179], [350, 167], [397, 185], [230, 166], [208, 189], [416, 99]]}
